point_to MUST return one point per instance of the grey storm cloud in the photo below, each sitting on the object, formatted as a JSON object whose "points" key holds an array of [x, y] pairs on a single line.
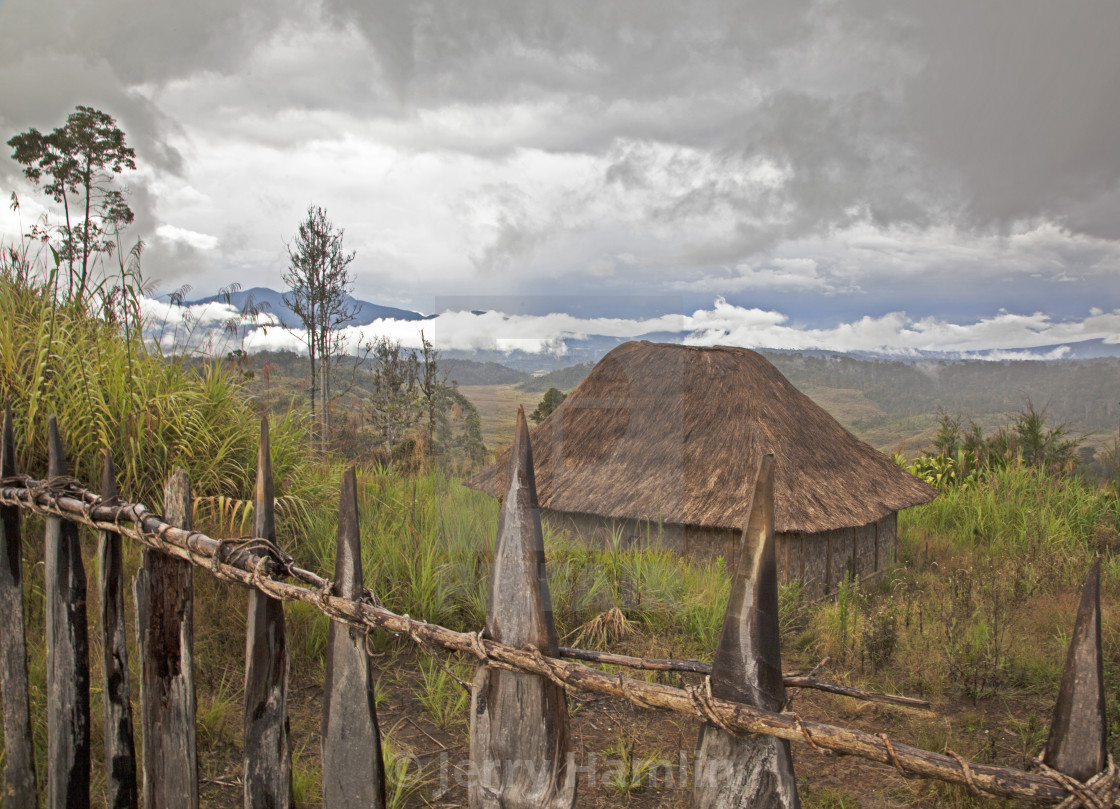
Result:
{"points": [[1018, 101], [981, 114], [679, 142]]}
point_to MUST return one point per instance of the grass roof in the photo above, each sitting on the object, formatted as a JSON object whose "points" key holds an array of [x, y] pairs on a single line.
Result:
{"points": [[674, 433]]}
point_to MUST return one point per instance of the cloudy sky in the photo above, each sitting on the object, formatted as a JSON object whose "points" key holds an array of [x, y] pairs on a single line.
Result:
{"points": [[769, 170]]}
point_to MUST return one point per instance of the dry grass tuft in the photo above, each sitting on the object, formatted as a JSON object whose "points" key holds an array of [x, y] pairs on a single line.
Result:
{"points": [[605, 628]]}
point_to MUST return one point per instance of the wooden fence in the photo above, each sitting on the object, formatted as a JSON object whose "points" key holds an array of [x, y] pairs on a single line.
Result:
{"points": [[518, 708]]}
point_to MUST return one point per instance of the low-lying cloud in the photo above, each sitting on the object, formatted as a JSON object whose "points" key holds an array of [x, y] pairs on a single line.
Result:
{"points": [[216, 327]]}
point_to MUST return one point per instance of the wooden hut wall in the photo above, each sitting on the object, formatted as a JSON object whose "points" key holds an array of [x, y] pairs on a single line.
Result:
{"points": [[818, 560]]}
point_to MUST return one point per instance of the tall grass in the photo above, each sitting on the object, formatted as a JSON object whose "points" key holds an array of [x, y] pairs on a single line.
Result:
{"points": [[109, 389], [1020, 512], [428, 543]]}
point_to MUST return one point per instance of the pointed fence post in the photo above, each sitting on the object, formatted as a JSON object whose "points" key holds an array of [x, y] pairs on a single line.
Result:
{"points": [[1078, 742], [120, 750], [268, 748], [353, 770], [68, 766], [756, 770], [19, 751], [163, 594], [519, 722]]}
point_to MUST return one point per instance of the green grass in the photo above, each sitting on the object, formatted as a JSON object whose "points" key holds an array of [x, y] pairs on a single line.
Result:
{"points": [[1058, 523], [441, 693], [109, 390]]}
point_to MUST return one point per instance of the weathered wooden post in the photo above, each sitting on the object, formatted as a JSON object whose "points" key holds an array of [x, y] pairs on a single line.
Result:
{"points": [[1078, 742], [268, 749], [519, 722], [353, 770], [120, 750], [19, 753], [164, 598], [755, 770], [67, 652]]}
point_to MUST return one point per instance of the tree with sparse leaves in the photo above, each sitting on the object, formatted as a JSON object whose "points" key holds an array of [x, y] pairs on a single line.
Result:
{"points": [[76, 163], [432, 387], [319, 282], [395, 402]]}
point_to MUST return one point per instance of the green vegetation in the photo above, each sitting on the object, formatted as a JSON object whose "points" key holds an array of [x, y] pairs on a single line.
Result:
{"points": [[552, 399], [887, 402], [976, 614], [320, 283], [108, 389], [469, 372], [79, 160], [565, 379], [977, 611]]}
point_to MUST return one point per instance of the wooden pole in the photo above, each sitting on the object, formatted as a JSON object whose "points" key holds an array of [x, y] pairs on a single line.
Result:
{"points": [[120, 750], [19, 751], [788, 680], [268, 748], [67, 654], [1078, 742], [734, 770], [163, 594], [519, 722], [238, 564], [353, 769]]}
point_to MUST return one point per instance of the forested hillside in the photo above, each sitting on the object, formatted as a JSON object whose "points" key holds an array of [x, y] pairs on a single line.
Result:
{"points": [[891, 403], [1085, 393]]}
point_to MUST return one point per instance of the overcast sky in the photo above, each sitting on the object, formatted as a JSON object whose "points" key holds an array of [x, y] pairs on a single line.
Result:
{"points": [[825, 164]]}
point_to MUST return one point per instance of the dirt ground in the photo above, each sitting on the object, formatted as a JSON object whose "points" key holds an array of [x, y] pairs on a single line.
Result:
{"points": [[603, 729]]}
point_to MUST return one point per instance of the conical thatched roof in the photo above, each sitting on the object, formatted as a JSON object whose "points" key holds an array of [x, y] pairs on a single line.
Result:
{"points": [[671, 432]]}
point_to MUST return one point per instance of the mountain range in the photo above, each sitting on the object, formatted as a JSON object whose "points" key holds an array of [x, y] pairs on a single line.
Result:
{"points": [[590, 348], [272, 302]]}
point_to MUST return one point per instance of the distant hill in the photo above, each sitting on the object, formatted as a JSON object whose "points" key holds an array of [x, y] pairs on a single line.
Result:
{"points": [[469, 372], [1084, 393], [888, 402], [273, 303], [565, 378]]}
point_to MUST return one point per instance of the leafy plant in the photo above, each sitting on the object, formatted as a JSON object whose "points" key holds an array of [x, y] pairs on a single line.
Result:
{"points": [[404, 777], [214, 709], [629, 773], [442, 696], [880, 636], [307, 778]]}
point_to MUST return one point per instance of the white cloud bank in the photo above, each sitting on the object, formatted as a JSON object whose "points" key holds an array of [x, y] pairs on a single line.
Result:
{"points": [[1005, 335]]}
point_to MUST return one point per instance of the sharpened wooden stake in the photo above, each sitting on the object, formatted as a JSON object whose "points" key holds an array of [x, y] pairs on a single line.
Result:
{"points": [[735, 771], [353, 770], [519, 722], [164, 596], [138, 523], [1078, 742], [19, 751], [268, 748], [68, 766], [120, 750]]}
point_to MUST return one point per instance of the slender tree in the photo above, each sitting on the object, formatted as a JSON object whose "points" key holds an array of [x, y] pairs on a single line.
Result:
{"points": [[431, 387], [319, 282], [395, 402], [79, 160]]}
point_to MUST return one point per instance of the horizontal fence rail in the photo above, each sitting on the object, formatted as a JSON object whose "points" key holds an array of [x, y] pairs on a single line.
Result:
{"points": [[257, 563]]}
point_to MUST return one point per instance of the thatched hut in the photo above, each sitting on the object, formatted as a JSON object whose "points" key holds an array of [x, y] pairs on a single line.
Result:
{"points": [[660, 443]]}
